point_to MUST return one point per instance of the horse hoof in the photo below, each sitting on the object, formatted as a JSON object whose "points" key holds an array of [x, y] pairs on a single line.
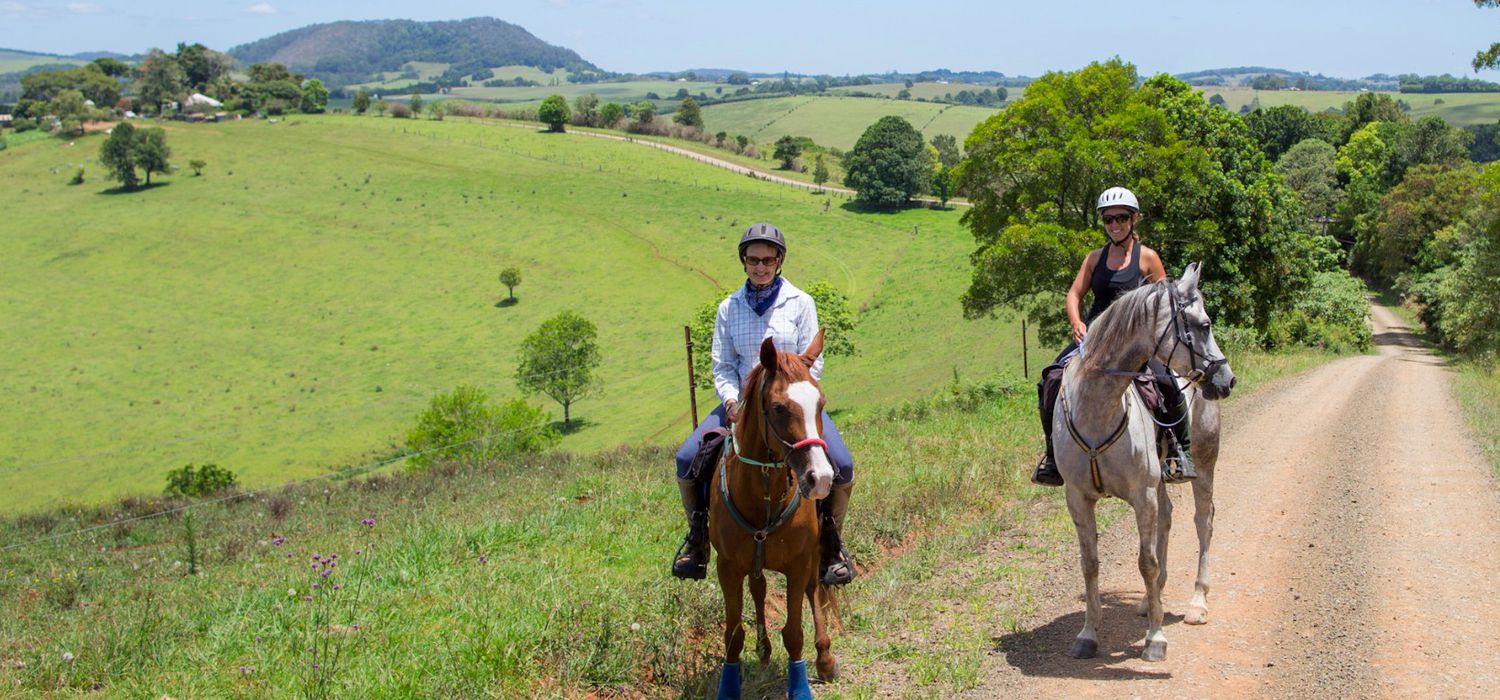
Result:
{"points": [[1084, 648], [1155, 651], [1196, 616], [797, 687], [828, 673], [729, 683]]}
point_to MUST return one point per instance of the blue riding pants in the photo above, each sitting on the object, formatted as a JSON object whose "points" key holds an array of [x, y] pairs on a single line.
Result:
{"points": [[838, 453]]}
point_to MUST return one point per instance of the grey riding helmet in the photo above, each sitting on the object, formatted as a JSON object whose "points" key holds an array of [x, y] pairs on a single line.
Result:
{"points": [[762, 233]]}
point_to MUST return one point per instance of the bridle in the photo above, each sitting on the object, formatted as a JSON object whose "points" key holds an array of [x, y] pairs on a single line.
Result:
{"points": [[1203, 366], [774, 518]]}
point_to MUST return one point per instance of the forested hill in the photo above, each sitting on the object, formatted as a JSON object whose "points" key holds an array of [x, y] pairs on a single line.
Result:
{"points": [[349, 52]]}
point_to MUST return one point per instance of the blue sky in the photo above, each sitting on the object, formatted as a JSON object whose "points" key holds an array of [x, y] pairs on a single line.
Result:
{"points": [[1339, 38]]}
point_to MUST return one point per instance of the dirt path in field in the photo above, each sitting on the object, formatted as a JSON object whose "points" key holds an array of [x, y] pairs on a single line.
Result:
{"points": [[1356, 554]]}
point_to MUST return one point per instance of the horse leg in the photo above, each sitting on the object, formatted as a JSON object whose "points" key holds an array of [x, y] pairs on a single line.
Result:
{"points": [[797, 687], [1203, 518], [1086, 644], [762, 640], [828, 665], [733, 586], [1163, 537], [1144, 501]]}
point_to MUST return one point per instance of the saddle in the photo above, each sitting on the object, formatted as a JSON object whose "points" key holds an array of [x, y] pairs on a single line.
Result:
{"points": [[1145, 388]]}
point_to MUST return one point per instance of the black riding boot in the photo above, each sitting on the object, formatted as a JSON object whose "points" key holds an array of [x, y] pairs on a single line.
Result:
{"points": [[1046, 472], [691, 561], [835, 566], [1178, 465]]}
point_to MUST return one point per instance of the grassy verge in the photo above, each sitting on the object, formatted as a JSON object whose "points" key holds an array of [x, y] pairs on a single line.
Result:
{"points": [[543, 577]]}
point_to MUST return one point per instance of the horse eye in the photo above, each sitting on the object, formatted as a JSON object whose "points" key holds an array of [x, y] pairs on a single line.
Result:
{"points": [[1205, 324], [779, 408]]}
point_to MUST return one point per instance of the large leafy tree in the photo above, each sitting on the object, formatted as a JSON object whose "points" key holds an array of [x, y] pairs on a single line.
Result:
{"points": [[314, 97], [1308, 169], [554, 113], [151, 152], [118, 155], [888, 164], [160, 79], [559, 360], [1279, 128], [689, 113], [1034, 170], [201, 66]]}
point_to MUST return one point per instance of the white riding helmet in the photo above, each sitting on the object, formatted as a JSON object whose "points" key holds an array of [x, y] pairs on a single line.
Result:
{"points": [[1118, 197]]}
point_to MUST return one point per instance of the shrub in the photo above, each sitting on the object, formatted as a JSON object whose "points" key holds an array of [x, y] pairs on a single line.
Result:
{"points": [[1331, 315], [400, 110], [197, 482], [77, 178], [463, 426]]}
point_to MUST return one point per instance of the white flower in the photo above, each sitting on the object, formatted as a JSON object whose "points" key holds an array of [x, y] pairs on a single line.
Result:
{"points": [[291, 593], [635, 627], [68, 656]]}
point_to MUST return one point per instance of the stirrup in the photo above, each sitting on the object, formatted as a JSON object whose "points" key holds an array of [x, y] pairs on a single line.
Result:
{"points": [[1177, 469], [1046, 473], [840, 571]]}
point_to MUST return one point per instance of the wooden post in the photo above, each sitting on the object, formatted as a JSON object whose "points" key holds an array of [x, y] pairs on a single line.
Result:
{"points": [[687, 337], [1025, 360]]}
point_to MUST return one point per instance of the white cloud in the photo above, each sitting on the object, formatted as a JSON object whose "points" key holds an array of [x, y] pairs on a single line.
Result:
{"points": [[9, 7], [85, 8], [261, 8]]}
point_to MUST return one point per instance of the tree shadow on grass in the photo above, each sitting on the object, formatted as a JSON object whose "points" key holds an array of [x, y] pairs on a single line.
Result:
{"points": [[138, 190], [574, 426], [506, 303]]}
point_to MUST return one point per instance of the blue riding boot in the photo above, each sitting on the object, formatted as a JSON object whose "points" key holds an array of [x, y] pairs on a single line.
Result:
{"points": [[797, 687], [729, 682]]}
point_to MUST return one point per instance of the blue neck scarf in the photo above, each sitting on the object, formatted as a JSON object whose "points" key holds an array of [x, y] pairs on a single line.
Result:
{"points": [[761, 300]]}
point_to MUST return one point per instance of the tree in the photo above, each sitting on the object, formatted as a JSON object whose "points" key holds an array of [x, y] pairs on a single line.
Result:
{"points": [[1429, 199], [787, 150], [1217, 100], [152, 152], [645, 111], [820, 172], [553, 112], [559, 360], [361, 101], [118, 155], [1490, 57], [511, 278], [201, 65], [888, 164], [942, 184], [1279, 128], [161, 79], [689, 113], [1308, 170], [904, 94], [197, 166], [610, 115], [947, 148], [586, 109], [314, 97], [69, 107], [415, 104], [835, 317], [111, 67]]}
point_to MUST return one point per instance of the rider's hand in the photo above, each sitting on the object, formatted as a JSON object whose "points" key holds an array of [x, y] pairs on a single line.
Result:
{"points": [[732, 410], [1078, 330]]}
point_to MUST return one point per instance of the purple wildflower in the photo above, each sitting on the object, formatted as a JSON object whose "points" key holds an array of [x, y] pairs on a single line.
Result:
{"points": [[368, 522], [307, 597]]}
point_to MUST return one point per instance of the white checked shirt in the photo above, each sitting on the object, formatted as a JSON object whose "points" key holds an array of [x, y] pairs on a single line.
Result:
{"points": [[792, 323]]}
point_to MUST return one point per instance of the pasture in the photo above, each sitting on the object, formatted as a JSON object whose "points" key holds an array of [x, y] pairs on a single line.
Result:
{"points": [[17, 61], [1458, 109], [288, 313], [924, 90], [427, 70], [836, 122]]}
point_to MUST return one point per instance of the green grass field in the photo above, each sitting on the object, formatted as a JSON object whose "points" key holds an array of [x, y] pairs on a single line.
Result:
{"points": [[15, 62], [929, 91], [391, 80], [622, 93], [292, 310], [836, 121], [1458, 109], [546, 577]]}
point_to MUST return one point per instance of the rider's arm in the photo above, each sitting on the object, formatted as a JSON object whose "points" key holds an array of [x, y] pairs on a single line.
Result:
{"points": [[725, 359], [1076, 291], [1151, 268]]}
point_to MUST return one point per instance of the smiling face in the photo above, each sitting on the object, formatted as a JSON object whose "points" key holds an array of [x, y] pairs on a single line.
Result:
{"points": [[762, 262], [1119, 222]]}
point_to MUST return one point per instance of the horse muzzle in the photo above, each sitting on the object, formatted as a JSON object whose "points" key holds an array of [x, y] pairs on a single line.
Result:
{"points": [[1217, 381], [816, 479]]}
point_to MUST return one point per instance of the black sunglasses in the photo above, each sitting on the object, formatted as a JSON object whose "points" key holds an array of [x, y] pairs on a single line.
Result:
{"points": [[1116, 218]]}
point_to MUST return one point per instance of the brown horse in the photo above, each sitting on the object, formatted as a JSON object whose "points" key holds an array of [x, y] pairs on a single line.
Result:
{"points": [[763, 514]]}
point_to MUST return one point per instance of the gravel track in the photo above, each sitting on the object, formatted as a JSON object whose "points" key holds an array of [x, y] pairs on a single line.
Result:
{"points": [[1355, 555]]}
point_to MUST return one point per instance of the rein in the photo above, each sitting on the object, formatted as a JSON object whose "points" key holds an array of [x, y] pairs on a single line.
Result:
{"points": [[774, 518], [1093, 452]]}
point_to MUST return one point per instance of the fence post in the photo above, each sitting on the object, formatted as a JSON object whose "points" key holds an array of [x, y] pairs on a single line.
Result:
{"points": [[687, 337], [1025, 360]]}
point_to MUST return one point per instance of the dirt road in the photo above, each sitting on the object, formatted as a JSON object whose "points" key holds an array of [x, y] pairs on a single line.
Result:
{"points": [[1356, 554]]}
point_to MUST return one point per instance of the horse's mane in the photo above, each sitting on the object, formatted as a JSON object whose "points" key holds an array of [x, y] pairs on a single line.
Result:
{"points": [[787, 365], [1121, 323]]}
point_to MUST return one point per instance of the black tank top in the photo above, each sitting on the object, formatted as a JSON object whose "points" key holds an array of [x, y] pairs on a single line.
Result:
{"points": [[1108, 284]]}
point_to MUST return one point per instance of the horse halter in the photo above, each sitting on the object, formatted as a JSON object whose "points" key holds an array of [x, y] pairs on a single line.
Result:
{"points": [[788, 447]]}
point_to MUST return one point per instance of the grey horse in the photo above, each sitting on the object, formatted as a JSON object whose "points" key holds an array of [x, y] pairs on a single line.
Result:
{"points": [[1111, 448]]}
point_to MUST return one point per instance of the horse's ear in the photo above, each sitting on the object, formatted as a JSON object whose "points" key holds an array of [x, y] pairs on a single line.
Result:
{"points": [[1189, 281], [768, 355], [815, 349]]}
